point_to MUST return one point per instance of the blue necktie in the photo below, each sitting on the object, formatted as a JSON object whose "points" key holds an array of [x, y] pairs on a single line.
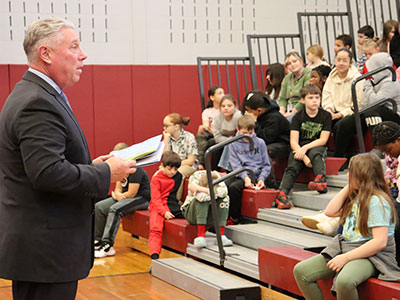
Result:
{"points": [[64, 97]]}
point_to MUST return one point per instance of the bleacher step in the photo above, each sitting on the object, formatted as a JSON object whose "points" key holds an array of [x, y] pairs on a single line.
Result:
{"points": [[312, 199], [290, 217], [204, 281], [264, 234], [337, 180], [238, 258]]}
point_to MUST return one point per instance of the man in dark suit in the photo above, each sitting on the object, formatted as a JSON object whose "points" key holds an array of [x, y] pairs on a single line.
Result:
{"points": [[48, 181]]}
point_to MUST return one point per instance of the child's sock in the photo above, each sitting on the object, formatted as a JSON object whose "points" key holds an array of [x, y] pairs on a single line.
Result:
{"points": [[155, 256], [201, 230], [222, 228]]}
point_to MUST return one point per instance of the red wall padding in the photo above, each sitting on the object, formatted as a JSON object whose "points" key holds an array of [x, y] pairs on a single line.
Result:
{"points": [[4, 84], [113, 118], [124, 102], [81, 99]]}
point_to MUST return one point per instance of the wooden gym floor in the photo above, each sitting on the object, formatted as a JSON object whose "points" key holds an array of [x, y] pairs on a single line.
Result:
{"points": [[120, 277], [125, 276]]}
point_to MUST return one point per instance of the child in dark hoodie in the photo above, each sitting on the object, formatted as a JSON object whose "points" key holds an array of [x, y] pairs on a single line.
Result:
{"points": [[310, 130], [271, 126], [240, 156]]}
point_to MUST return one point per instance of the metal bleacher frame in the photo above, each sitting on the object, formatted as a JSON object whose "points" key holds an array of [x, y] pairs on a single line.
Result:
{"points": [[213, 183], [358, 112], [274, 41], [374, 14], [324, 19], [277, 45], [219, 62]]}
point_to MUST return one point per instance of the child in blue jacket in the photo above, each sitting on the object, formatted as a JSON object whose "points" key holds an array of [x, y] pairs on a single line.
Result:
{"points": [[240, 156]]}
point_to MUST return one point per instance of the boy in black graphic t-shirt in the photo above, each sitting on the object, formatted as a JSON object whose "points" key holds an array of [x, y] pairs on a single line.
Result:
{"points": [[309, 133]]}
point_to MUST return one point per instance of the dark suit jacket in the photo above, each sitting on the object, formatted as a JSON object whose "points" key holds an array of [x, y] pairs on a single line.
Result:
{"points": [[47, 186]]}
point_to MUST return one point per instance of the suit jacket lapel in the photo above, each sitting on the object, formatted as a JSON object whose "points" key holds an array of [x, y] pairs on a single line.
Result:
{"points": [[49, 89]]}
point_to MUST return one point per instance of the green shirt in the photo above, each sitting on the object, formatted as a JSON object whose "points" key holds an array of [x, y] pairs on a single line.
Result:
{"points": [[290, 90]]}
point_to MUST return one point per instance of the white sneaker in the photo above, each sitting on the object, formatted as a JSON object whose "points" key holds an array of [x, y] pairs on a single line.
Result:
{"points": [[225, 241], [312, 221], [330, 227], [105, 250], [200, 242]]}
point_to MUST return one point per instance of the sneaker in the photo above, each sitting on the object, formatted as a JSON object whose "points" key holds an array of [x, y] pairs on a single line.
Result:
{"points": [[329, 227], [105, 250], [232, 221], [281, 201], [97, 244], [200, 242], [318, 184], [312, 221], [225, 241]]}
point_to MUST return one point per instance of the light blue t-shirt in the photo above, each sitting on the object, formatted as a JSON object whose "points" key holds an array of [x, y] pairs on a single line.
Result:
{"points": [[380, 214]]}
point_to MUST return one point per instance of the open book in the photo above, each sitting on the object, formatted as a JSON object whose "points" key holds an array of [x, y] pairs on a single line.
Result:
{"points": [[145, 153]]}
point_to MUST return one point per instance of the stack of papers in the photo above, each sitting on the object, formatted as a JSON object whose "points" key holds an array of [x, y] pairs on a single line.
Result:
{"points": [[145, 153]]}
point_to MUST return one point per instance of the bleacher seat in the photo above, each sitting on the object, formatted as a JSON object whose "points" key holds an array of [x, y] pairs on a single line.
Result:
{"points": [[333, 165], [276, 265], [177, 232], [252, 200]]}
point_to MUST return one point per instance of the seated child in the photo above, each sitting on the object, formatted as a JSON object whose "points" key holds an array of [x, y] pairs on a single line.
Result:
{"points": [[197, 208], [180, 141], [129, 195], [329, 226], [309, 134], [205, 134], [386, 137], [224, 127], [319, 75], [366, 247], [271, 126], [240, 156], [164, 204]]}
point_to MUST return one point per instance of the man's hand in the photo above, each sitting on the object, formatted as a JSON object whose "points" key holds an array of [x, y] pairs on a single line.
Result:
{"points": [[101, 159], [120, 168], [168, 215]]}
